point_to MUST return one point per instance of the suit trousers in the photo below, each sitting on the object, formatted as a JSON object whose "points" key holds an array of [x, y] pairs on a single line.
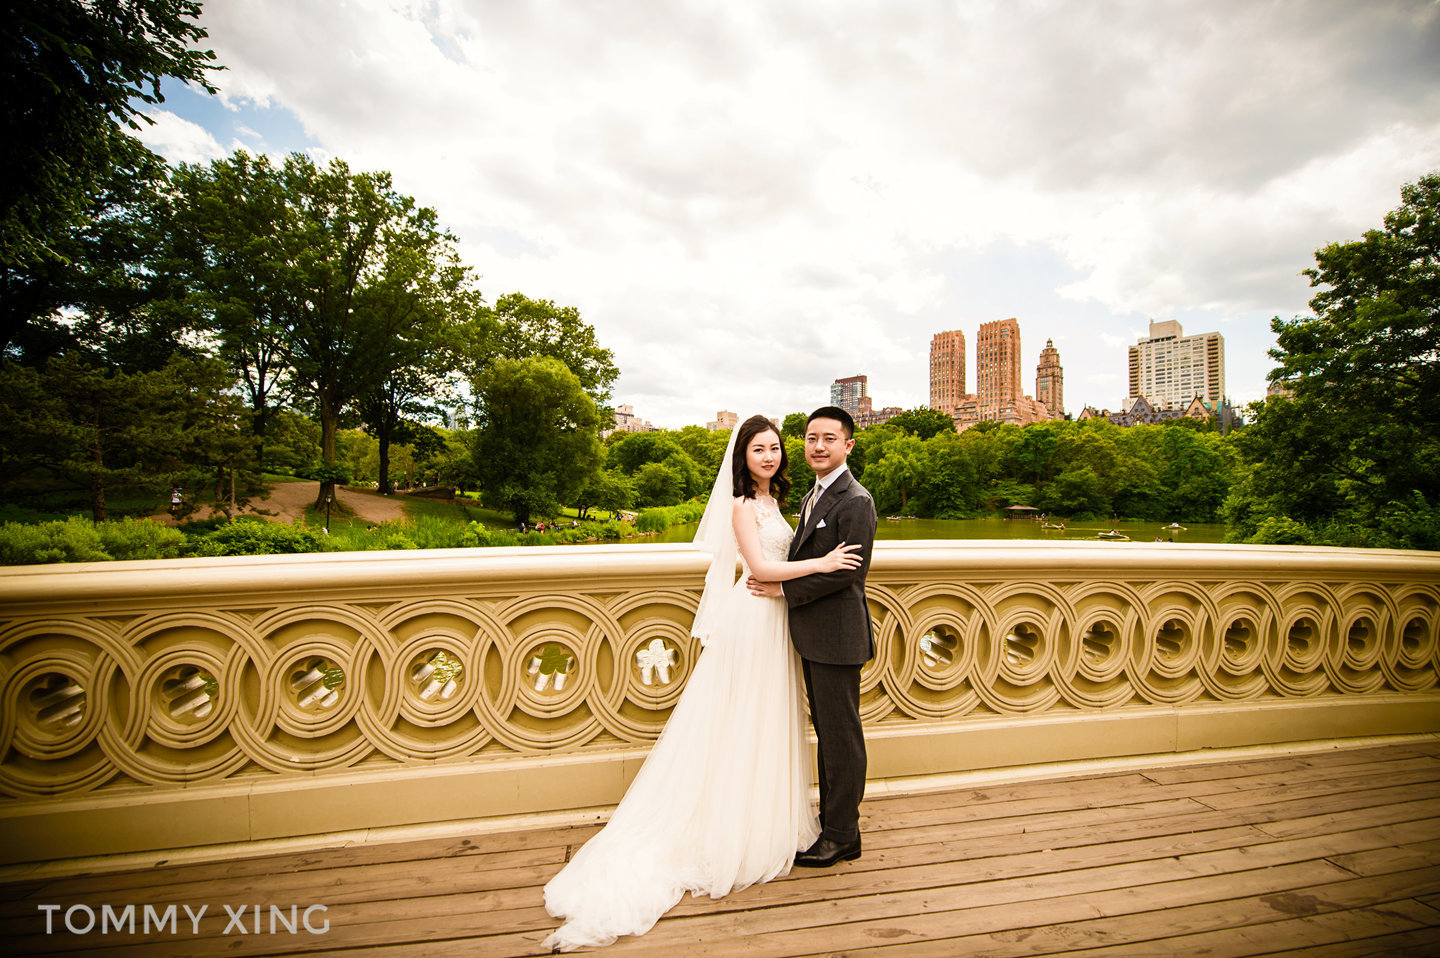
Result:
{"points": [[834, 695]]}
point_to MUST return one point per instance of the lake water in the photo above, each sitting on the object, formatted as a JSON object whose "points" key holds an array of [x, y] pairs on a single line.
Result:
{"points": [[1005, 529]]}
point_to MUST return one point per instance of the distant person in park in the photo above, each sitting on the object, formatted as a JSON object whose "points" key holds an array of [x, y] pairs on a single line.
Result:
{"points": [[176, 500], [722, 801]]}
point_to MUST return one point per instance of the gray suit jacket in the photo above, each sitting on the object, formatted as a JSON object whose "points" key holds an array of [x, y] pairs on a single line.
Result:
{"points": [[829, 618]]}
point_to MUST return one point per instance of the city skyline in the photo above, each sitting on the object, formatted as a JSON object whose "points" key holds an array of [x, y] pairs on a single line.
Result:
{"points": [[1167, 369], [747, 200]]}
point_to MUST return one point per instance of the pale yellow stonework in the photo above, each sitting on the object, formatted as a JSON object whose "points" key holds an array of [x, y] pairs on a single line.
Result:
{"points": [[162, 705]]}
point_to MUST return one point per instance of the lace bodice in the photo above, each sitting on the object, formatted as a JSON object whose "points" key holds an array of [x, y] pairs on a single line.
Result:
{"points": [[775, 532]]}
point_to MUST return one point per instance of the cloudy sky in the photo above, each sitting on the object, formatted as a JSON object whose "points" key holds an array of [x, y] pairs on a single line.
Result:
{"points": [[750, 198]]}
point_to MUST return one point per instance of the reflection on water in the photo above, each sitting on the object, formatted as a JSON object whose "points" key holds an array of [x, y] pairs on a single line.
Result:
{"points": [[1007, 529]]}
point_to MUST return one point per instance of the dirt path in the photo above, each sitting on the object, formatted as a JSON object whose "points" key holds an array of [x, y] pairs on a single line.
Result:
{"points": [[287, 502]]}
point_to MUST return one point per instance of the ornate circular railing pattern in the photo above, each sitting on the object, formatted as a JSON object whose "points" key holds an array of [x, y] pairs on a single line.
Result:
{"points": [[187, 687]]}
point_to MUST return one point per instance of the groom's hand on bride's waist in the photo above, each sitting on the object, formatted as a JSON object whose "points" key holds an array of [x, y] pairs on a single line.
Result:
{"points": [[770, 590]]}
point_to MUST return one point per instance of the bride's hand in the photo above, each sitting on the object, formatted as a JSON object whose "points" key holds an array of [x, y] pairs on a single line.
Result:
{"points": [[841, 557]]}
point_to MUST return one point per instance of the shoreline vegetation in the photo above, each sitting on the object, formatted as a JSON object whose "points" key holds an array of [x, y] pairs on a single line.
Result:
{"points": [[427, 524]]}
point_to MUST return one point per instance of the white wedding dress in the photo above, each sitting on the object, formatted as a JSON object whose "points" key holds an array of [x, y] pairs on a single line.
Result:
{"points": [[722, 801]]}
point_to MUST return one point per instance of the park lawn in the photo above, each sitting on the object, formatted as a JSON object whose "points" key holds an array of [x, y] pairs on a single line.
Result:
{"points": [[461, 510]]}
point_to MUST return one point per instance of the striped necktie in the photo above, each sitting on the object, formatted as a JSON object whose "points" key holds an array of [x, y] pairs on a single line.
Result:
{"points": [[810, 498]]}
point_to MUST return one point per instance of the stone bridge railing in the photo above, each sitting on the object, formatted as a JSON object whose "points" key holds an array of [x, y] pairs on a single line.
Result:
{"points": [[165, 704]]}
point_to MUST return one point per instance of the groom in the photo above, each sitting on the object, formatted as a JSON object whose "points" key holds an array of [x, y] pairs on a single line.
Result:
{"points": [[830, 627]]}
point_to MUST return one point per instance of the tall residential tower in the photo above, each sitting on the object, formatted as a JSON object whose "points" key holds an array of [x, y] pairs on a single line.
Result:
{"points": [[1169, 368], [947, 371], [997, 366], [1050, 380], [851, 395]]}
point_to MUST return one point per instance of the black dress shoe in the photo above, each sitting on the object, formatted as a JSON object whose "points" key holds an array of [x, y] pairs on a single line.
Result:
{"points": [[825, 853]]}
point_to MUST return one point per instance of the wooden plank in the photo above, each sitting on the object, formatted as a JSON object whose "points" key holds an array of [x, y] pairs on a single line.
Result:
{"points": [[345, 886], [482, 844], [1228, 793], [1307, 788], [890, 910], [1384, 861], [1296, 823], [1016, 864], [188, 884], [1343, 926], [475, 847], [1301, 763], [986, 882], [1000, 793], [1422, 941], [1072, 852], [1025, 937], [969, 910]]}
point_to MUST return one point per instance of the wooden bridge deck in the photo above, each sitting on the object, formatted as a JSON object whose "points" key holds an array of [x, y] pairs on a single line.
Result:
{"points": [[1325, 853]]}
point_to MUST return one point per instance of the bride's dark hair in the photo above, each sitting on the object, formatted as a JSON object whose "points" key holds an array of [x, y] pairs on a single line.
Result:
{"points": [[743, 483]]}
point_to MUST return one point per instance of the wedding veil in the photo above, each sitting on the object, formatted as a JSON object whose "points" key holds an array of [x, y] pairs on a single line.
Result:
{"points": [[716, 536]]}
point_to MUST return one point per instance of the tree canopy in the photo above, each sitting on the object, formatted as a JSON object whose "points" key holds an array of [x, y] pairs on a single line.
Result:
{"points": [[1351, 455], [333, 279], [75, 72], [923, 422], [536, 445], [518, 327]]}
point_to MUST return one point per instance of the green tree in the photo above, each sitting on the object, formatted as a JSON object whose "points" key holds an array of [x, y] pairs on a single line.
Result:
{"points": [[923, 422], [1034, 455], [1075, 492], [802, 477], [793, 425], [868, 447], [607, 489], [233, 234], [292, 440], [704, 447], [536, 441], [1198, 469], [453, 464], [1354, 452], [100, 428], [952, 488], [416, 297], [658, 484], [108, 290], [518, 327], [344, 233], [637, 448], [898, 474], [73, 72]]}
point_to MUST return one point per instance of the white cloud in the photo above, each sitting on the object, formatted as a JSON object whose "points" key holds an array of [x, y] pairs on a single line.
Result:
{"points": [[751, 199], [179, 140]]}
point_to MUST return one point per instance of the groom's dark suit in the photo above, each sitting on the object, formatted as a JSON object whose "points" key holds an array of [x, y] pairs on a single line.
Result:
{"points": [[830, 628]]}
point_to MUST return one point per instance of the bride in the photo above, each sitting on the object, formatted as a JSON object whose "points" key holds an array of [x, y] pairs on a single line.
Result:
{"points": [[722, 801]]}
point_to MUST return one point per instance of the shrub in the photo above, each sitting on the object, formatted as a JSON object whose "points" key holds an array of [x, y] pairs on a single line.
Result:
{"points": [[397, 540], [434, 532], [80, 540], [73, 540], [246, 536], [1282, 530], [660, 518], [477, 534], [613, 530], [140, 539]]}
